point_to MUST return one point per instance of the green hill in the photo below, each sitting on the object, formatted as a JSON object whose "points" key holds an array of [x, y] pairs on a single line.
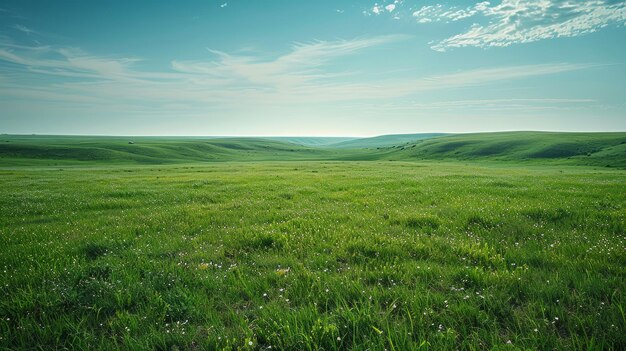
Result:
{"points": [[312, 141], [384, 140], [591, 149], [597, 149], [45, 150]]}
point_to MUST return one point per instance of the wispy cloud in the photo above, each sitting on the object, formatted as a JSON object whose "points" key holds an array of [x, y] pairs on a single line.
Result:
{"points": [[439, 13], [299, 71], [512, 104], [301, 75], [519, 21], [9, 13], [514, 22], [301, 65], [23, 29], [68, 62]]}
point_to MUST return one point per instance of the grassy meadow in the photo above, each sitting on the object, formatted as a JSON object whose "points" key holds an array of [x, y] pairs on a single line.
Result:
{"points": [[333, 249]]}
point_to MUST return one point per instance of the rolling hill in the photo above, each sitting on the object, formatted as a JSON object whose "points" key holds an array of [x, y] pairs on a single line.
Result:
{"points": [[313, 141], [591, 149], [384, 140], [597, 149], [47, 150]]}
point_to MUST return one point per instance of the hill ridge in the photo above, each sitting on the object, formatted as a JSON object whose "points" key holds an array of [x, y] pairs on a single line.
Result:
{"points": [[590, 149]]}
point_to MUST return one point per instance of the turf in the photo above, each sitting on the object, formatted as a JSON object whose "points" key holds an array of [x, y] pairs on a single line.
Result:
{"points": [[310, 255], [456, 242]]}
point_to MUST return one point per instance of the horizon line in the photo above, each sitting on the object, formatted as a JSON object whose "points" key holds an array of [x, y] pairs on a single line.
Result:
{"points": [[305, 136]]}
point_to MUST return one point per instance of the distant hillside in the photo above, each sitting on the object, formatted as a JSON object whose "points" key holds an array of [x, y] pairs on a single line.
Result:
{"points": [[46, 150], [312, 141], [598, 149], [384, 140], [591, 149]]}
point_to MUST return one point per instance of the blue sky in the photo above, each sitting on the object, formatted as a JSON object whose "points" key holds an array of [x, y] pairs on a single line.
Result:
{"points": [[318, 68]]}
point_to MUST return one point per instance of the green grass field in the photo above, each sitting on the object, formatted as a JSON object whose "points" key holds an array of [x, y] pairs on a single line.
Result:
{"points": [[444, 245]]}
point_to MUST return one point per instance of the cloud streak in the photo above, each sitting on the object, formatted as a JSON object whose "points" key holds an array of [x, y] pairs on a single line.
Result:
{"points": [[300, 76], [490, 105], [23, 29], [302, 65]]}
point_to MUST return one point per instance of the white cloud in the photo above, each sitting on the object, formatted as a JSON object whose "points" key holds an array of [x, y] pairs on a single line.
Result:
{"points": [[378, 9], [514, 21], [227, 77], [302, 75], [524, 21], [24, 29], [511, 104], [300, 66], [438, 13], [69, 62], [489, 75]]}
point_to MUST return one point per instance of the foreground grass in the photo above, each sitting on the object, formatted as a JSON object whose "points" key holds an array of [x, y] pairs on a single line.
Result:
{"points": [[312, 255]]}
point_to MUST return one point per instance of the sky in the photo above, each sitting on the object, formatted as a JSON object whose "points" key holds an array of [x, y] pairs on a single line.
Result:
{"points": [[311, 68]]}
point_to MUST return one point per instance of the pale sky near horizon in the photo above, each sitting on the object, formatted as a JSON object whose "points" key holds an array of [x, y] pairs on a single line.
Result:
{"points": [[311, 68]]}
